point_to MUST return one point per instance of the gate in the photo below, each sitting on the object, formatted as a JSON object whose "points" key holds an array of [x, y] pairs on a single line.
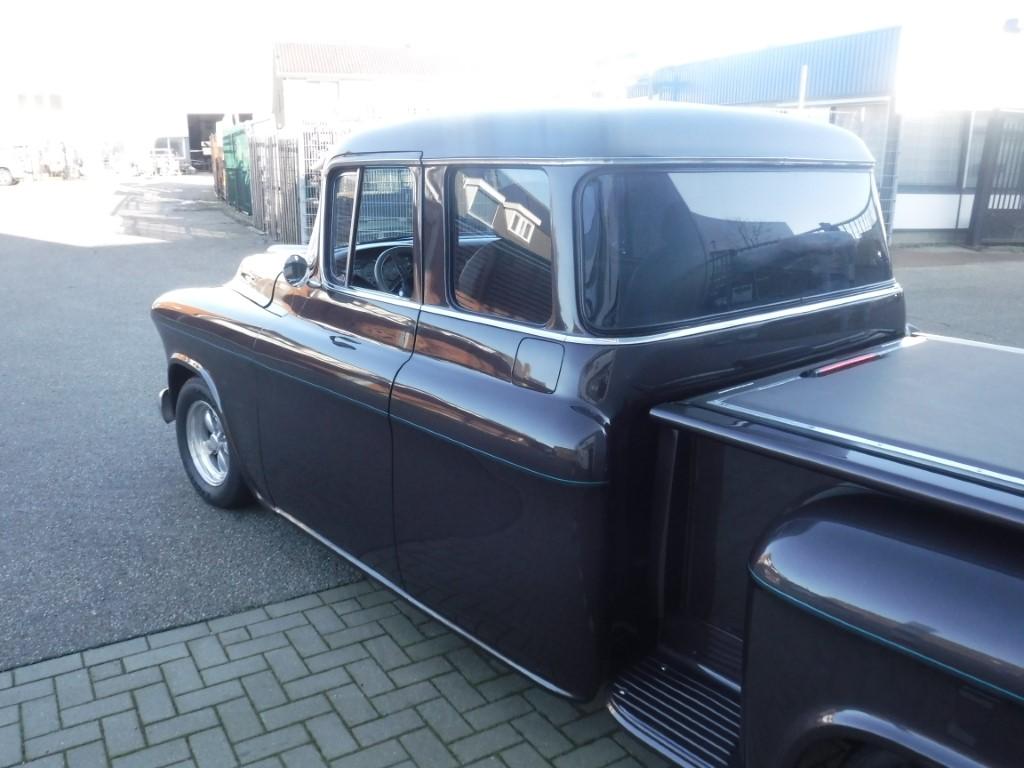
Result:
{"points": [[997, 217], [236, 170], [275, 204]]}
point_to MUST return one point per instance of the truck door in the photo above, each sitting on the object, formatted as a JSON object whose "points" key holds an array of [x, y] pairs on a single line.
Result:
{"points": [[331, 361]]}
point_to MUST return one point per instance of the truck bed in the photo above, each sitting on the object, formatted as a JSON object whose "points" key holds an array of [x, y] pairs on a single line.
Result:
{"points": [[939, 415]]}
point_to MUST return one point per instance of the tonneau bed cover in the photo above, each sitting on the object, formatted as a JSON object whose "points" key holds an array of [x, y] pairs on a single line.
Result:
{"points": [[948, 406]]}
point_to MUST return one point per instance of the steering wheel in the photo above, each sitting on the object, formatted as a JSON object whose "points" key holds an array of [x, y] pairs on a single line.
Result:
{"points": [[392, 272]]}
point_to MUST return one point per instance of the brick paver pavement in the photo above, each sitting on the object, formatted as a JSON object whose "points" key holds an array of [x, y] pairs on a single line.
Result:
{"points": [[352, 678]]}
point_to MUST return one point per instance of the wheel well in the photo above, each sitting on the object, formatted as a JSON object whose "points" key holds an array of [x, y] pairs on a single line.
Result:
{"points": [[177, 375], [847, 752]]}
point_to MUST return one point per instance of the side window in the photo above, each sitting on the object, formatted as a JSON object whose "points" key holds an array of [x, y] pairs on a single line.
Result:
{"points": [[501, 242], [342, 208], [382, 259]]}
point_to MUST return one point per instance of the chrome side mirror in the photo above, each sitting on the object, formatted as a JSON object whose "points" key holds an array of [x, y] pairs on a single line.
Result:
{"points": [[295, 270]]}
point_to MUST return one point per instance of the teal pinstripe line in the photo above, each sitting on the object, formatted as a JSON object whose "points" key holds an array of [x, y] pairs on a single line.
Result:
{"points": [[884, 640], [374, 409]]}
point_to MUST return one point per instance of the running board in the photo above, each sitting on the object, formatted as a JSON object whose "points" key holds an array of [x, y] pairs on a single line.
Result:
{"points": [[685, 714]]}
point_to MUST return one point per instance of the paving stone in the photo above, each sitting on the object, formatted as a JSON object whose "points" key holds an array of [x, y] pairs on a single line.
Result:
{"points": [[154, 703], [264, 690], [325, 620], [501, 687], [488, 762], [105, 670], [234, 636], [234, 669], [238, 620], [461, 694], [556, 709], [94, 710], [421, 670], [181, 676], [381, 755], [323, 681], [90, 755], [39, 716], [122, 733], [379, 597], [155, 656], [386, 652], [183, 764], [257, 645], [591, 727], [435, 646], [433, 628], [646, 757], [286, 664], [115, 651], [370, 677], [496, 712], [524, 756], [182, 725], [352, 705], [60, 740], [127, 682], [331, 735], [52, 761], [239, 719], [403, 698], [178, 635], [387, 727], [485, 743], [270, 626], [269, 762], [345, 606], [296, 712], [206, 697], [294, 605], [271, 743], [27, 692], [414, 614], [306, 640], [336, 658], [155, 757], [402, 630], [10, 715], [472, 665], [357, 618], [211, 749], [444, 719], [626, 762], [10, 744], [74, 688], [427, 751], [207, 651], [354, 635], [48, 668], [544, 737], [348, 591], [593, 755], [305, 756], [6, 680]]}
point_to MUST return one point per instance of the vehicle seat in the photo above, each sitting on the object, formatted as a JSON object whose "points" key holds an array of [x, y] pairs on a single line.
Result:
{"points": [[501, 279]]}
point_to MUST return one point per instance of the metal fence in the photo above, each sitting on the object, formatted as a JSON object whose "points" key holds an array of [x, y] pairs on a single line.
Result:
{"points": [[315, 141], [275, 174]]}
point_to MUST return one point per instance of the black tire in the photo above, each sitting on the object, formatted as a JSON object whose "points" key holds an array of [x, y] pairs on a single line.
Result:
{"points": [[229, 491], [6, 178]]}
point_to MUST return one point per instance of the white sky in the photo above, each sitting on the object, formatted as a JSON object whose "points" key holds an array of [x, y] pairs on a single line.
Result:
{"points": [[185, 56]]}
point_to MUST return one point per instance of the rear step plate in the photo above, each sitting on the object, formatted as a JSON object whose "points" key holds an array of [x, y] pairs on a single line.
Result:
{"points": [[686, 715]]}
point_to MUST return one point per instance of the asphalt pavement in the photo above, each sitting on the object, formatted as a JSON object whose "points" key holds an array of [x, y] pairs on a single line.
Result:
{"points": [[101, 535]]}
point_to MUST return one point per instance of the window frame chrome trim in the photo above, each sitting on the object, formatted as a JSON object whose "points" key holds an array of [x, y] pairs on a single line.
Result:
{"points": [[768, 162], [888, 290]]}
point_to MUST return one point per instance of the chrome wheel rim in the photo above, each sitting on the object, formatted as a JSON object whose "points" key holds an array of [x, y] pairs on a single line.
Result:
{"points": [[207, 443]]}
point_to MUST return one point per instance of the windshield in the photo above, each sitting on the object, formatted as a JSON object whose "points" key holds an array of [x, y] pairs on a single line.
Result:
{"points": [[663, 247]]}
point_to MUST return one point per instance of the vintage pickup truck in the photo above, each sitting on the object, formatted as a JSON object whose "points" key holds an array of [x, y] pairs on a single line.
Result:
{"points": [[627, 397]]}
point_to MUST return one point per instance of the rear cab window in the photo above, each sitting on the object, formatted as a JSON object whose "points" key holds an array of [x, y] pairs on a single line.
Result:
{"points": [[500, 243], [661, 248]]}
